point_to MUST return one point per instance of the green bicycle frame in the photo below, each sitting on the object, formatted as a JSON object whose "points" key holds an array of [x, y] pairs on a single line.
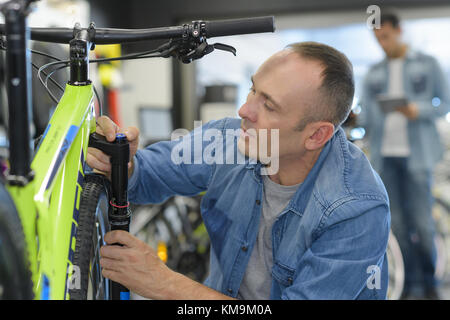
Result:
{"points": [[48, 206]]}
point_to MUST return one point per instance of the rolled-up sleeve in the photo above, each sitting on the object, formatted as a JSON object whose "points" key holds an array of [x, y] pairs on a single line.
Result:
{"points": [[169, 168]]}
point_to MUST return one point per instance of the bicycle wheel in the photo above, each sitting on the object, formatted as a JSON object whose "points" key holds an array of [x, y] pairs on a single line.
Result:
{"points": [[441, 214], [93, 224], [396, 269], [15, 275]]}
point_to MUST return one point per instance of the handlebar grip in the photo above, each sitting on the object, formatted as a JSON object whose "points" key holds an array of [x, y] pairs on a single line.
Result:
{"points": [[231, 27]]}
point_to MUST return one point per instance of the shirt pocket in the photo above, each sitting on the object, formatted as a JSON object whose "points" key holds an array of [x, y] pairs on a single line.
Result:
{"points": [[283, 275], [419, 83], [375, 88]]}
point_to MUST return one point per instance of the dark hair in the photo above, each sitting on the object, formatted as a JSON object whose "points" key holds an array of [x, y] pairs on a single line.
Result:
{"points": [[389, 17], [337, 88]]}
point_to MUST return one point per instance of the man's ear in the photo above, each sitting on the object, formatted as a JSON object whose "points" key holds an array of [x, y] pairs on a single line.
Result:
{"points": [[318, 134]]}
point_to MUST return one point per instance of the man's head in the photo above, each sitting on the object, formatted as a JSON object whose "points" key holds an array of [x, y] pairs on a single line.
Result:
{"points": [[305, 91], [389, 36]]}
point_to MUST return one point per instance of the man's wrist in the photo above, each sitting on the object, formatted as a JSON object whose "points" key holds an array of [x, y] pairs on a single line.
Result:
{"points": [[180, 287]]}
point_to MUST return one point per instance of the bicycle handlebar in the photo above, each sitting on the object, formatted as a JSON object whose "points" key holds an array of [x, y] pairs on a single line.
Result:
{"points": [[208, 29], [239, 26]]}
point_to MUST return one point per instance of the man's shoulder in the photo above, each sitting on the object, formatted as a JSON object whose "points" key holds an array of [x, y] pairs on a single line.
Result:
{"points": [[419, 55], [224, 124], [425, 60], [378, 65], [347, 174]]}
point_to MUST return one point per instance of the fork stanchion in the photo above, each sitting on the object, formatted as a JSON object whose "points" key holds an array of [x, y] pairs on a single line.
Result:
{"points": [[119, 210]]}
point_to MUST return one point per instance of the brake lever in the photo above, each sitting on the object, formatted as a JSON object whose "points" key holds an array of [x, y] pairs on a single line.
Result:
{"points": [[225, 47]]}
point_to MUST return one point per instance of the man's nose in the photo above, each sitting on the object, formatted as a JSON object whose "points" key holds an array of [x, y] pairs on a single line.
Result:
{"points": [[248, 111]]}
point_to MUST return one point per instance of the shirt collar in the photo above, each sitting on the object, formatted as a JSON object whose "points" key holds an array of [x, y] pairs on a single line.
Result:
{"points": [[300, 199]]}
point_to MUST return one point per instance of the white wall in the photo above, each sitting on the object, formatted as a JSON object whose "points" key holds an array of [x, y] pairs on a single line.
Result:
{"points": [[146, 82]]}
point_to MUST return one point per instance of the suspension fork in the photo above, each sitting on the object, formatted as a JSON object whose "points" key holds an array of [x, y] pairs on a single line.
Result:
{"points": [[119, 211], [119, 151]]}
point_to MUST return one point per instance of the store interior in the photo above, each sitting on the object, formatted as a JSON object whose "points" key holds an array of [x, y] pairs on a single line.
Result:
{"points": [[161, 95]]}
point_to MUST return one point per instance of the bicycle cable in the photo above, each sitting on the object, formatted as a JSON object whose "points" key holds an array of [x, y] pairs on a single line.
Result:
{"points": [[164, 51], [52, 72]]}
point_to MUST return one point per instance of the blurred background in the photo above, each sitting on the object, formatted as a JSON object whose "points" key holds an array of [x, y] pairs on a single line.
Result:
{"points": [[160, 95]]}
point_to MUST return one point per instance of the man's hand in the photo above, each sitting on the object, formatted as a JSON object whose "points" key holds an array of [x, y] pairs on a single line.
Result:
{"points": [[96, 159], [410, 111], [134, 265], [137, 266]]}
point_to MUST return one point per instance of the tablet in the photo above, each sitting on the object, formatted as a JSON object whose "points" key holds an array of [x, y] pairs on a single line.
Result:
{"points": [[389, 104]]}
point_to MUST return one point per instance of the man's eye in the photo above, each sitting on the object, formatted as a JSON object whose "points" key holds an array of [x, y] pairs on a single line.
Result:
{"points": [[268, 108], [252, 90]]}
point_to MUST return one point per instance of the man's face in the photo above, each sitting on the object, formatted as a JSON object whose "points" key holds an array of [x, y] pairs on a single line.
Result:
{"points": [[283, 89], [389, 38]]}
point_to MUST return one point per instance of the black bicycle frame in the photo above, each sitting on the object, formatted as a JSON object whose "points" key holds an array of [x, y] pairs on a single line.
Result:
{"points": [[18, 83]]}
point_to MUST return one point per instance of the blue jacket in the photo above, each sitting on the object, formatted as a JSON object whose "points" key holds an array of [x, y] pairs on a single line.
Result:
{"points": [[424, 83], [328, 243]]}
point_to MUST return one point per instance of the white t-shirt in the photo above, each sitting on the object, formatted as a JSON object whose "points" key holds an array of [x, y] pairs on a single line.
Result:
{"points": [[257, 279], [395, 138]]}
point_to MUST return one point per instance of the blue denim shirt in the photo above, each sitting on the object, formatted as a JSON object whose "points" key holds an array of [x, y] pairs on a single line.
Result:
{"points": [[326, 242], [425, 84]]}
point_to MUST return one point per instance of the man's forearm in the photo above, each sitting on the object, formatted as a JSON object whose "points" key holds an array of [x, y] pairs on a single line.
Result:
{"points": [[181, 287]]}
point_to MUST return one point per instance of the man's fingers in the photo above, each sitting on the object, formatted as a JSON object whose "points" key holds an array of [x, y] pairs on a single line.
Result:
{"points": [[108, 128], [111, 264], [101, 156], [95, 163], [120, 236], [112, 252], [112, 275], [132, 133]]}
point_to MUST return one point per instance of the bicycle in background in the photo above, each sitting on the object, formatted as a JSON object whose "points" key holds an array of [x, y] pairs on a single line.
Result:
{"points": [[176, 231]]}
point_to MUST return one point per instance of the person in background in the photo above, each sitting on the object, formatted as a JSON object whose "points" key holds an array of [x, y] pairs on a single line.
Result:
{"points": [[405, 146]]}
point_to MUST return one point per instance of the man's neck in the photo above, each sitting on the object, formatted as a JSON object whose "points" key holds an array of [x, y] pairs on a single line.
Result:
{"points": [[294, 171], [400, 52]]}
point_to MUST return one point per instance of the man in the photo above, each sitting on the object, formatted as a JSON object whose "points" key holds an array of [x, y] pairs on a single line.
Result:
{"points": [[405, 146], [315, 226]]}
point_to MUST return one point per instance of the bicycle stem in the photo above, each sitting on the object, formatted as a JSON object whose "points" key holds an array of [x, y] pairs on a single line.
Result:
{"points": [[80, 46]]}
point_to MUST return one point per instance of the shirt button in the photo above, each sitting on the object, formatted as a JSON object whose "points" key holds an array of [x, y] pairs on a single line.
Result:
{"points": [[244, 248], [258, 202]]}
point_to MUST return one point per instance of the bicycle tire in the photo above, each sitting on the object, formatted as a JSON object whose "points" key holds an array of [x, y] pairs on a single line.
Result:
{"points": [[441, 215], [93, 224], [396, 268], [15, 274]]}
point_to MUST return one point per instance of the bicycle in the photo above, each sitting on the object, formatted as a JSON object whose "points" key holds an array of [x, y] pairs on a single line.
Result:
{"points": [[175, 229], [64, 210]]}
